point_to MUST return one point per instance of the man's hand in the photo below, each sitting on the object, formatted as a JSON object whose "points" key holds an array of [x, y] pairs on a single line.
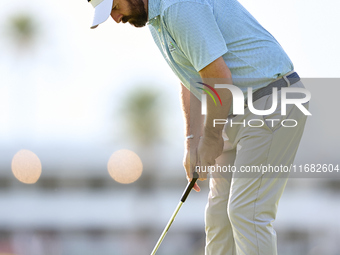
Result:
{"points": [[200, 154], [209, 149], [190, 160]]}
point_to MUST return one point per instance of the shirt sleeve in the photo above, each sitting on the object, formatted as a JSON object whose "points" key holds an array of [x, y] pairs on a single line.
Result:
{"points": [[194, 28]]}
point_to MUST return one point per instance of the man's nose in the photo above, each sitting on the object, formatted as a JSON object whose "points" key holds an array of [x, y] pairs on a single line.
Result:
{"points": [[116, 16]]}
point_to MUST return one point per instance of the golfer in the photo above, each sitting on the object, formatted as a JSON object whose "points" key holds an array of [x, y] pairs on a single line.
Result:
{"points": [[209, 42]]}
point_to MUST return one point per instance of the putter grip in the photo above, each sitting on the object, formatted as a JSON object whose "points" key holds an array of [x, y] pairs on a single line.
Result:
{"points": [[189, 187]]}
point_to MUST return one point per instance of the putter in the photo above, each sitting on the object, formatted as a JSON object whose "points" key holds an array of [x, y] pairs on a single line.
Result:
{"points": [[184, 197]]}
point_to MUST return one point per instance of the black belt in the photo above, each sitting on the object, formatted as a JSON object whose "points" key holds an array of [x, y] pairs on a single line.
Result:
{"points": [[268, 90], [292, 78]]}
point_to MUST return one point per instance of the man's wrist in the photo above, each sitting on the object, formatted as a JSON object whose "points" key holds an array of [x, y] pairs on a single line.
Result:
{"points": [[212, 133], [192, 139]]}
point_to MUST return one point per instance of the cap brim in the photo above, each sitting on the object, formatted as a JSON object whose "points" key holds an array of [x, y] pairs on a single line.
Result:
{"points": [[102, 12]]}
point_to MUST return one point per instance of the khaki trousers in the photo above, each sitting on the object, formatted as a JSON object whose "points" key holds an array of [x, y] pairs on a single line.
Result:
{"points": [[242, 206]]}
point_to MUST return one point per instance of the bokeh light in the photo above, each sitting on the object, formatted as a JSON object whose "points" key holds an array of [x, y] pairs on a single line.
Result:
{"points": [[125, 166], [26, 166]]}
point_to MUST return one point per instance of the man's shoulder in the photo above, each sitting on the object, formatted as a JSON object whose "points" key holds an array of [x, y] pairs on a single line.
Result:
{"points": [[166, 4]]}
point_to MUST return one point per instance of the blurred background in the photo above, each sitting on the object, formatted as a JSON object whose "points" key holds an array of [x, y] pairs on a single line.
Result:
{"points": [[75, 96]]}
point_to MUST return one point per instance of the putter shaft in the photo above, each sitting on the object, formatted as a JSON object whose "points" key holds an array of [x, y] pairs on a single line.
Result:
{"points": [[167, 228], [184, 197]]}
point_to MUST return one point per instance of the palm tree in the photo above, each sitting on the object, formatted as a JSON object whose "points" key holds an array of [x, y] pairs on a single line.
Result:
{"points": [[142, 115], [22, 30]]}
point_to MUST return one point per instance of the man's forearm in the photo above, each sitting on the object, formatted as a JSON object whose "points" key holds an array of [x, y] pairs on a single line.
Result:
{"points": [[217, 111], [217, 73], [192, 113]]}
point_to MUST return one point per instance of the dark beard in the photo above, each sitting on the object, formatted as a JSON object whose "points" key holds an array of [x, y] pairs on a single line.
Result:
{"points": [[139, 17]]}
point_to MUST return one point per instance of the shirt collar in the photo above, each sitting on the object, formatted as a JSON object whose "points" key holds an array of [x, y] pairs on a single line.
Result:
{"points": [[153, 9]]}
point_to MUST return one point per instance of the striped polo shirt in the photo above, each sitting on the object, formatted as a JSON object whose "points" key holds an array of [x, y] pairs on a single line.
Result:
{"points": [[193, 33]]}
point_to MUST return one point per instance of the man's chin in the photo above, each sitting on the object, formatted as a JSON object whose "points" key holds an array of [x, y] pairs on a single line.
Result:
{"points": [[137, 23]]}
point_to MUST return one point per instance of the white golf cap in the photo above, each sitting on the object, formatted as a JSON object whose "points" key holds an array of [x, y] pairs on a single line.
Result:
{"points": [[102, 11]]}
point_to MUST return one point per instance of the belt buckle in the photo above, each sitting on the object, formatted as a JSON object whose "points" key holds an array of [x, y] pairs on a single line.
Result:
{"points": [[287, 80]]}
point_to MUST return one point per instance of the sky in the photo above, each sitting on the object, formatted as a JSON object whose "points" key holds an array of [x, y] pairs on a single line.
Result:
{"points": [[61, 99], [68, 87], [75, 76]]}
